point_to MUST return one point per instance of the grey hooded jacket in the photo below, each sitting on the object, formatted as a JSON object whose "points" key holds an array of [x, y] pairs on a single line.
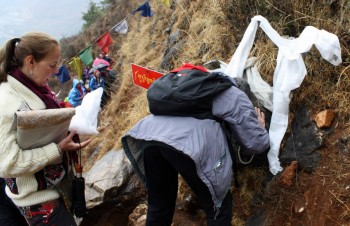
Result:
{"points": [[203, 141]]}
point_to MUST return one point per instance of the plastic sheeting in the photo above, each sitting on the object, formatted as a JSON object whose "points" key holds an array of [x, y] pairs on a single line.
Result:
{"points": [[84, 122]]}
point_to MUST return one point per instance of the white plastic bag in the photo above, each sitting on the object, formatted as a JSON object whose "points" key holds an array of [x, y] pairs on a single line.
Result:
{"points": [[85, 119]]}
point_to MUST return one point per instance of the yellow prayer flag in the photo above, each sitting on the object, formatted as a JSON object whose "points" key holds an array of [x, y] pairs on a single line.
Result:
{"points": [[75, 65], [166, 2]]}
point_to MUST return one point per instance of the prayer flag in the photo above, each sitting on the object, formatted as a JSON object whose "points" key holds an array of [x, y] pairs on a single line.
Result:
{"points": [[86, 56], [166, 2], [63, 74], [145, 9], [104, 41], [121, 27], [75, 65], [144, 77]]}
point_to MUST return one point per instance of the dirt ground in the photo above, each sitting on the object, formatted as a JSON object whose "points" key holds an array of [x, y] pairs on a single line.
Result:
{"points": [[320, 198]]}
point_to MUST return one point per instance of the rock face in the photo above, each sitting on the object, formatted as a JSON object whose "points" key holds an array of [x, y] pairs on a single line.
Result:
{"points": [[175, 45], [106, 177], [112, 190], [301, 146]]}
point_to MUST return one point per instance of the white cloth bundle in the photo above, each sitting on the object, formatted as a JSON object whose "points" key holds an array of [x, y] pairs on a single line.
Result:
{"points": [[289, 73]]}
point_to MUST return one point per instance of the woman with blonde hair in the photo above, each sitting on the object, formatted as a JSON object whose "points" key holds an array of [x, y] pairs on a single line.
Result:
{"points": [[26, 65]]}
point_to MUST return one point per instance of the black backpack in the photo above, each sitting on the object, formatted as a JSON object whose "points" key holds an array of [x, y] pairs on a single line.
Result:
{"points": [[190, 92], [186, 93]]}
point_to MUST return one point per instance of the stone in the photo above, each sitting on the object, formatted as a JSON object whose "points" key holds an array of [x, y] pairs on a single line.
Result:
{"points": [[138, 216], [106, 177], [324, 118], [299, 206], [212, 64], [286, 177]]}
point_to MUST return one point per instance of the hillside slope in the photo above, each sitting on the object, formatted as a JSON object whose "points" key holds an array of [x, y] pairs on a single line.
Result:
{"points": [[212, 29]]}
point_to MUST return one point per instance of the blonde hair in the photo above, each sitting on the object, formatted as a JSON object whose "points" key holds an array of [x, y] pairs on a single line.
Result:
{"points": [[14, 52]]}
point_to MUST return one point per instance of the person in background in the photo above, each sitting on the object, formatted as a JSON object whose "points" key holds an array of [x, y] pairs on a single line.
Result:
{"points": [[86, 74], [161, 147], [104, 57], [96, 81], [109, 79], [31, 176], [76, 94]]}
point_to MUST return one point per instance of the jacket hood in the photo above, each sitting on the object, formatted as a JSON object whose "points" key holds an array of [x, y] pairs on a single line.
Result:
{"points": [[75, 83]]}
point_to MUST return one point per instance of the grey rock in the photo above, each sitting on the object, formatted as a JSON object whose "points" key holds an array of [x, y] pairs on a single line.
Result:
{"points": [[212, 64], [109, 173]]}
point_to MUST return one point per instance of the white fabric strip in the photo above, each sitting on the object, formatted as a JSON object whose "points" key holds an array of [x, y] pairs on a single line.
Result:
{"points": [[289, 73]]}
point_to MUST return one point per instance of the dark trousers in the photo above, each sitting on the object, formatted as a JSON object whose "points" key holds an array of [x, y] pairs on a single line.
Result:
{"points": [[48, 213], [9, 214], [162, 165]]}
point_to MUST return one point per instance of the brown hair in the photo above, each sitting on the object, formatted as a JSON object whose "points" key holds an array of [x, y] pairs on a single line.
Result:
{"points": [[14, 52]]}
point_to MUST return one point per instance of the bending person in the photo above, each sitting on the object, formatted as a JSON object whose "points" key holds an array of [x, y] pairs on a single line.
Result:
{"points": [[161, 147]]}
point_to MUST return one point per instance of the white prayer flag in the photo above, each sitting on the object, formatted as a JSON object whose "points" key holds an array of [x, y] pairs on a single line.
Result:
{"points": [[121, 27]]}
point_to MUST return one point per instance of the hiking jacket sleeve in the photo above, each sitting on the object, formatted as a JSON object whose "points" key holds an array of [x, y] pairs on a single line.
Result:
{"points": [[234, 106]]}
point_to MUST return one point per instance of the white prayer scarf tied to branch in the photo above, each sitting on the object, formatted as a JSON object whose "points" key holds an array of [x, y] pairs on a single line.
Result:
{"points": [[289, 73]]}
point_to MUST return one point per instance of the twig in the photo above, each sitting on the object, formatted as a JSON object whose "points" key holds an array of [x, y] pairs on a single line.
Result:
{"points": [[309, 16], [275, 7], [340, 201], [342, 74], [333, 220]]}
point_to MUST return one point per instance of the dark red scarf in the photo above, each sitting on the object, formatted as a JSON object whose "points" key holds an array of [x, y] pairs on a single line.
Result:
{"points": [[43, 92]]}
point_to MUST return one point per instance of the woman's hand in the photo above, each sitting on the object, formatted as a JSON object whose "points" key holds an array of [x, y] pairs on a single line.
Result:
{"points": [[67, 144], [261, 117]]}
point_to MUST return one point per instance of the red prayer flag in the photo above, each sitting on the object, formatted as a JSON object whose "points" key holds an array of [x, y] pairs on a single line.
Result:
{"points": [[104, 41], [143, 76]]}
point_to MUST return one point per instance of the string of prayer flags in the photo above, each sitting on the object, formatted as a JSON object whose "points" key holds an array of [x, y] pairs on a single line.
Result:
{"points": [[104, 41], [165, 2], [121, 27], [145, 9], [144, 77], [75, 65], [86, 56], [63, 74]]}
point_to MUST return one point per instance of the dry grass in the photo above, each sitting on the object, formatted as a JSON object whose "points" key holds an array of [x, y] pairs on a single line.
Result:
{"points": [[213, 29]]}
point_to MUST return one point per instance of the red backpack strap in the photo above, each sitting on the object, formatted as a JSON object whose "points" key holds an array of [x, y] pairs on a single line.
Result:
{"points": [[189, 66]]}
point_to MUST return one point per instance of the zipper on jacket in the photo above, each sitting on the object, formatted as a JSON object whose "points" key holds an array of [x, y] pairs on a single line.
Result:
{"points": [[217, 212], [218, 164], [217, 206]]}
